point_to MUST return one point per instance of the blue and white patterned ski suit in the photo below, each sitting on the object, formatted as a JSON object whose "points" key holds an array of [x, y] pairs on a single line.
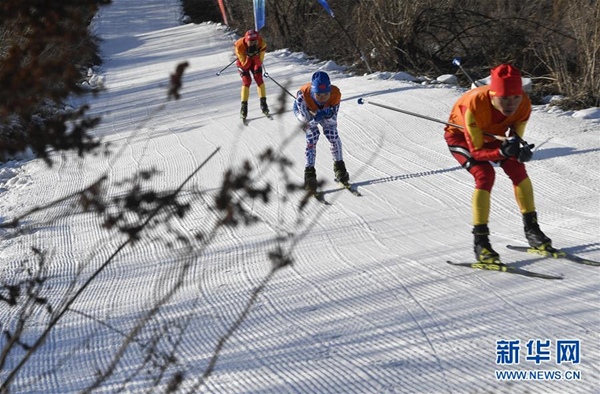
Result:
{"points": [[305, 109]]}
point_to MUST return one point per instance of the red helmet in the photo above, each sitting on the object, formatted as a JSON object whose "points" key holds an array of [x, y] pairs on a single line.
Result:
{"points": [[251, 35], [506, 81]]}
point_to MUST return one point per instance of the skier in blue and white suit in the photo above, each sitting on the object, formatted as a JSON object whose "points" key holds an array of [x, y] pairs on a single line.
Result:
{"points": [[317, 103]]}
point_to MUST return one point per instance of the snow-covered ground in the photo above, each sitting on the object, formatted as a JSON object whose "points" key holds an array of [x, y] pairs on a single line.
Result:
{"points": [[369, 305]]}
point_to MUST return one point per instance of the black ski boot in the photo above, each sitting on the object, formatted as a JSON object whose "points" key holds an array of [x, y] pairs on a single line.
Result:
{"points": [[310, 179], [483, 249], [340, 171], [263, 106], [244, 110], [536, 238]]}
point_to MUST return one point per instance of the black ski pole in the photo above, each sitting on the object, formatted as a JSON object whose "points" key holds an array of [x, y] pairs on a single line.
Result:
{"points": [[266, 74], [227, 66], [362, 56], [361, 101], [457, 63]]}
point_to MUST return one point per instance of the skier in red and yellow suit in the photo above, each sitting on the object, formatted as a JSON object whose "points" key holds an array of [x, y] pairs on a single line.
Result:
{"points": [[495, 109], [250, 51]]}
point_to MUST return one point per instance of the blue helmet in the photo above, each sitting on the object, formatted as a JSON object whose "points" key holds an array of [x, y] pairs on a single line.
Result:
{"points": [[320, 83]]}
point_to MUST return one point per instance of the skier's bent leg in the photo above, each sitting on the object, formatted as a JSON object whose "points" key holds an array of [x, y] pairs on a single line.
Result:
{"points": [[521, 183], [246, 81], [331, 133], [258, 77], [312, 137]]}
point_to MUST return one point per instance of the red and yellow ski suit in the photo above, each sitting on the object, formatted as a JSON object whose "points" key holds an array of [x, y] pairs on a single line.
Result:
{"points": [[250, 63], [474, 150]]}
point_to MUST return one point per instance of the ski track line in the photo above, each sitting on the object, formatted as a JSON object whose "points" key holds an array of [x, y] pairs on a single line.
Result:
{"points": [[59, 357], [467, 346], [367, 228], [548, 186], [369, 323], [385, 157], [269, 213], [172, 170], [176, 120], [144, 136], [285, 214], [415, 319], [374, 240], [216, 301], [274, 230], [518, 307], [253, 279], [183, 308], [312, 284], [447, 345], [435, 354], [133, 300], [248, 276], [513, 306], [400, 161], [205, 287], [343, 365], [560, 321], [468, 288], [311, 353], [298, 327], [81, 331]]}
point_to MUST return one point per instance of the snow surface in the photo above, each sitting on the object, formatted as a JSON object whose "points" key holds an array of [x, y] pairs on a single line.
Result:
{"points": [[588, 113], [369, 305]]}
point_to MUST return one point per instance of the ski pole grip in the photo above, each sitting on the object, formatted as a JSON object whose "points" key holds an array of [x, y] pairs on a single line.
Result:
{"points": [[523, 142]]}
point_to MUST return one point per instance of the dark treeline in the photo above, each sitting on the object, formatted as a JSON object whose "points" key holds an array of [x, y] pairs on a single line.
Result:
{"points": [[45, 51], [554, 42]]}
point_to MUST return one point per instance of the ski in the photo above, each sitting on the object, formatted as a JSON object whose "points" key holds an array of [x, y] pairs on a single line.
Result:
{"points": [[555, 253], [319, 196], [246, 121], [348, 186], [505, 268]]}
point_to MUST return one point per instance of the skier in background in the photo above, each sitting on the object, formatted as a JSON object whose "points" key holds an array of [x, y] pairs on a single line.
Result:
{"points": [[250, 51], [317, 103], [495, 109]]}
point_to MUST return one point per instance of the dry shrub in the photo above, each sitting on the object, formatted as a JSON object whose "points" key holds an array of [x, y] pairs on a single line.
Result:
{"points": [[45, 50], [555, 43]]}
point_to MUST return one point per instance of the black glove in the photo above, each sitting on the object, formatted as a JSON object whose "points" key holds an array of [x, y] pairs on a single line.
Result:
{"points": [[319, 115], [510, 147], [252, 51], [525, 154]]}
